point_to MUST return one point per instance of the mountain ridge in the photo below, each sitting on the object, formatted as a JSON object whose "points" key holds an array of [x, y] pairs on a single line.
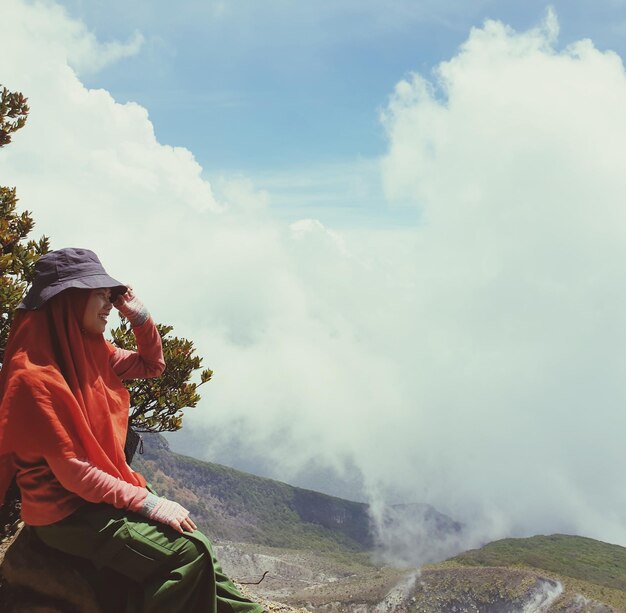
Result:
{"points": [[317, 560], [233, 505]]}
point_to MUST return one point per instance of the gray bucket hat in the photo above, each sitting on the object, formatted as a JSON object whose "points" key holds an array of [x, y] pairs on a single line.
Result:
{"points": [[64, 268]]}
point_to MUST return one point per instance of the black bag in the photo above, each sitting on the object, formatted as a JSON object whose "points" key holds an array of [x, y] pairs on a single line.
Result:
{"points": [[133, 440]]}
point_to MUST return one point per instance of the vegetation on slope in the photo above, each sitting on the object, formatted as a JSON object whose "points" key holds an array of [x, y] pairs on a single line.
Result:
{"points": [[232, 505], [592, 568], [572, 556]]}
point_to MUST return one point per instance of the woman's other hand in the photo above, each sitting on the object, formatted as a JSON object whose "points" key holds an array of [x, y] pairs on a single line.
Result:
{"points": [[167, 512], [131, 307], [188, 525]]}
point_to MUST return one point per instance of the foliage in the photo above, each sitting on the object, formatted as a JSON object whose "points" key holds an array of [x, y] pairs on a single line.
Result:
{"points": [[157, 404], [17, 262], [13, 114], [17, 255]]}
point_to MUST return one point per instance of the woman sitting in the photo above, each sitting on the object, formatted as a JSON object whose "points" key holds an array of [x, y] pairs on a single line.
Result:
{"points": [[63, 422]]}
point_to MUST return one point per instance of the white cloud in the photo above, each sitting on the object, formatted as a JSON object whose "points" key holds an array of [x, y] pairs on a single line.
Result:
{"points": [[513, 155], [475, 362], [83, 157], [64, 38], [91, 56]]}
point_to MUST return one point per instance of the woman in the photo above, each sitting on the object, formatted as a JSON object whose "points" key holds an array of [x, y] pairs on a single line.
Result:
{"points": [[63, 423]]}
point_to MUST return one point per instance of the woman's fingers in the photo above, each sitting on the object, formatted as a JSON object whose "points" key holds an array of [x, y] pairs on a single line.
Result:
{"points": [[125, 297], [183, 525], [188, 525]]}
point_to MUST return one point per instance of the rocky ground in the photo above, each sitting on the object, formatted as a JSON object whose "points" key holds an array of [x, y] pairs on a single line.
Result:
{"points": [[298, 581], [313, 582]]}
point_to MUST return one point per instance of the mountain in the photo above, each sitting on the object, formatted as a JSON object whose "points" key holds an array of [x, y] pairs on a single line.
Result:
{"points": [[541, 574], [231, 505], [592, 569], [235, 506], [317, 550]]}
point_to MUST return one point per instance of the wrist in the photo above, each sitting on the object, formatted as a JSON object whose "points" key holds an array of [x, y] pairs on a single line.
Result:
{"points": [[149, 504], [138, 318], [134, 311]]}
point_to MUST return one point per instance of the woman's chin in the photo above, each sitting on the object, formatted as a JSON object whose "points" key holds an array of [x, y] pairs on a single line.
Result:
{"points": [[96, 329]]}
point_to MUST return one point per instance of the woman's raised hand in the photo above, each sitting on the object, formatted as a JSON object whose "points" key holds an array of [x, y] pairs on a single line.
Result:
{"points": [[131, 307]]}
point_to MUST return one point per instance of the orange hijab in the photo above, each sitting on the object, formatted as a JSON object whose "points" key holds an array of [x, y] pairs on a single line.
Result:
{"points": [[59, 395]]}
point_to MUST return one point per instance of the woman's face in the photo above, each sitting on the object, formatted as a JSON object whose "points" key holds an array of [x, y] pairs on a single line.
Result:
{"points": [[97, 310]]}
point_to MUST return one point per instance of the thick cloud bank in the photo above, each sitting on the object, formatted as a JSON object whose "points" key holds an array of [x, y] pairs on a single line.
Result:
{"points": [[513, 154], [475, 362]]}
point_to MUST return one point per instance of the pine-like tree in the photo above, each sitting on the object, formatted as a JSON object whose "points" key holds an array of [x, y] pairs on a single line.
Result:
{"points": [[17, 254], [157, 404]]}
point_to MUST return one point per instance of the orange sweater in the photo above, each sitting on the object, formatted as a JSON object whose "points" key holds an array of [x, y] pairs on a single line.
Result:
{"points": [[54, 487]]}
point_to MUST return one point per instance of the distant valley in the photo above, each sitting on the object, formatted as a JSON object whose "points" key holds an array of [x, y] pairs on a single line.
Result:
{"points": [[235, 506], [320, 551]]}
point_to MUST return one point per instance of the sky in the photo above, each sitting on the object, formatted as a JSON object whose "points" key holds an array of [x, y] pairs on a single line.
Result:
{"points": [[395, 233]]}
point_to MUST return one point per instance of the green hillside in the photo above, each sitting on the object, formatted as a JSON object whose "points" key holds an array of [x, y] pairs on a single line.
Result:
{"points": [[555, 574], [232, 505], [592, 568], [572, 556], [316, 548]]}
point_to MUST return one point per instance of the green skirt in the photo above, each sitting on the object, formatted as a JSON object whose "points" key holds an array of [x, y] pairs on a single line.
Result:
{"points": [[142, 566]]}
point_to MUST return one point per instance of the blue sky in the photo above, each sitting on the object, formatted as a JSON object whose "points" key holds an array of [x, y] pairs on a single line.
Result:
{"points": [[286, 92]]}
